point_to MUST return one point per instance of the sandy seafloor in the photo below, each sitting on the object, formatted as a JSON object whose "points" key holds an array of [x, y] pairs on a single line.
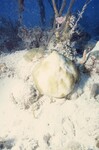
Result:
{"points": [[58, 124]]}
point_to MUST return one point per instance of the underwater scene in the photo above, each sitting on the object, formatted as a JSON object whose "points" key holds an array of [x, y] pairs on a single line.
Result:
{"points": [[49, 74]]}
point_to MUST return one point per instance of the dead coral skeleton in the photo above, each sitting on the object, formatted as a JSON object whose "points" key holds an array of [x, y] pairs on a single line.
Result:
{"points": [[83, 58], [94, 90], [92, 62], [80, 14], [34, 37], [67, 28]]}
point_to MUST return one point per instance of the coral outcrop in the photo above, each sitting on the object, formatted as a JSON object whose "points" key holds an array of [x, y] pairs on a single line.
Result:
{"points": [[55, 75], [92, 61]]}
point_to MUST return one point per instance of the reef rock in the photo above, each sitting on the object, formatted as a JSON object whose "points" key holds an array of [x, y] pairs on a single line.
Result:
{"points": [[92, 62], [34, 54], [55, 75]]}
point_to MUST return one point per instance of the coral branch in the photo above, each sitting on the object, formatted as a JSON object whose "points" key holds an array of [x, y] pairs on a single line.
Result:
{"points": [[42, 11], [68, 14], [62, 7], [21, 9], [80, 16], [55, 8], [84, 57], [21, 5]]}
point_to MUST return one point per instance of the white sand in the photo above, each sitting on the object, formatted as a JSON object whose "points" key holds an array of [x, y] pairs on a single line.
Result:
{"points": [[54, 124]]}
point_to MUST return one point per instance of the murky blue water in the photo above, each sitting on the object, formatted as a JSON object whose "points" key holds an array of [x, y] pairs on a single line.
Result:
{"points": [[31, 13]]}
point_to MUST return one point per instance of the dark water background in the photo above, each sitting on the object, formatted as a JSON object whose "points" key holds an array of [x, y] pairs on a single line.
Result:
{"points": [[31, 14]]}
